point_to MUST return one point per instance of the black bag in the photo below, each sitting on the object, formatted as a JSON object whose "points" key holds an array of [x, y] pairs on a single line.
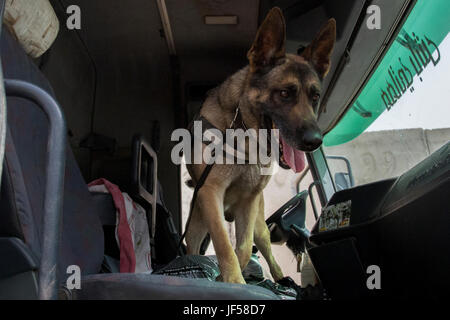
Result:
{"points": [[166, 237]]}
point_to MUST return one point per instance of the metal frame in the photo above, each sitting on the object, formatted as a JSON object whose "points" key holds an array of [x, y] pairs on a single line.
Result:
{"points": [[165, 21], [3, 111], [347, 163], [54, 189], [140, 145], [318, 173], [311, 198]]}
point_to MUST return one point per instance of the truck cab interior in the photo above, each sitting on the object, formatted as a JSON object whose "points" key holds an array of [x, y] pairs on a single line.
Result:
{"points": [[102, 99]]}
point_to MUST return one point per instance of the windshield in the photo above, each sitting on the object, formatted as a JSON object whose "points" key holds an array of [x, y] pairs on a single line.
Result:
{"points": [[403, 113]]}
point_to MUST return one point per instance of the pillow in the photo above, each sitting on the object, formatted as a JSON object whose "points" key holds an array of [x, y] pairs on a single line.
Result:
{"points": [[33, 23]]}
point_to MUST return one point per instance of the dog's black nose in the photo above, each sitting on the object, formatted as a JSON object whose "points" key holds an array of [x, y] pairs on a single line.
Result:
{"points": [[311, 139], [308, 137]]}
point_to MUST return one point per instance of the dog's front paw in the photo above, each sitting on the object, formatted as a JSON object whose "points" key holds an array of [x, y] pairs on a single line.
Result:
{"points": [[231, 278]]}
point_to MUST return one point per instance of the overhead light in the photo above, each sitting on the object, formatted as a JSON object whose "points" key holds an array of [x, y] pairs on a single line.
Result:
{"points": [[221, 20]]}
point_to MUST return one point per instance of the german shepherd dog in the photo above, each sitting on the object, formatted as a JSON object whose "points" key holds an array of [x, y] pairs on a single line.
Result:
{"points": [[286, 89]]}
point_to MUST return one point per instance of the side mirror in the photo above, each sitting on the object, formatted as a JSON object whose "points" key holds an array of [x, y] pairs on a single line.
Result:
{"points": [[343, 180]]}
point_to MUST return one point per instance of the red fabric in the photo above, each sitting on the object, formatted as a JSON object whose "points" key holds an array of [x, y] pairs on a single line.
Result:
{"points": [[127, 256]]}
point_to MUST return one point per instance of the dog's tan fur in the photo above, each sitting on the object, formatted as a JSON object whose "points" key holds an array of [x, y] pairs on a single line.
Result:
{"points": [[234, 192]]}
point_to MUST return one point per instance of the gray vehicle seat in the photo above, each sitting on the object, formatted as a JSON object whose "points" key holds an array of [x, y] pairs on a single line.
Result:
{"points": [[82, 239]]}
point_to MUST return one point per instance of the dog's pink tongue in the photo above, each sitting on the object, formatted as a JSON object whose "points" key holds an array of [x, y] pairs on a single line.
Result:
{"points": [[293, 157]]}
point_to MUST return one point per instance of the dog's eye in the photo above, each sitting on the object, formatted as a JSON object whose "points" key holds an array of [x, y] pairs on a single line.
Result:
{"points": [[316, 97], [284, 94]]}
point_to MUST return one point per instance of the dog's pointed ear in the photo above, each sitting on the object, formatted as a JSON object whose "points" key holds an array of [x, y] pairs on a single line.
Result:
{"points": [[269, 44], [320, 49]]}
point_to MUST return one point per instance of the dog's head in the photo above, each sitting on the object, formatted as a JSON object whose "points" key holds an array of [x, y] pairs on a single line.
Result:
{"points": [[287, 88]]}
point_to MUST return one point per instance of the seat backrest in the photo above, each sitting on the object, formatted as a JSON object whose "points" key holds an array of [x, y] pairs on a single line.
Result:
{"points": [[23, 180]]}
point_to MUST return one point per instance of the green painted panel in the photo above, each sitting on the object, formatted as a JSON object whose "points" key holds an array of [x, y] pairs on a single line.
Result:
{"points": [[415, 48]]}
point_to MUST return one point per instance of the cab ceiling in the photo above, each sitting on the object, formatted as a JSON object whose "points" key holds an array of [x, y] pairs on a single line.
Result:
{"points": [[193, 37], [126, 40], [210, 53]]}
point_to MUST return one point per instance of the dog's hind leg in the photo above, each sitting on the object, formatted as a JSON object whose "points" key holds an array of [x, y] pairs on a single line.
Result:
{"points": [[196, 232], [245, 217], [262, 241]]}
